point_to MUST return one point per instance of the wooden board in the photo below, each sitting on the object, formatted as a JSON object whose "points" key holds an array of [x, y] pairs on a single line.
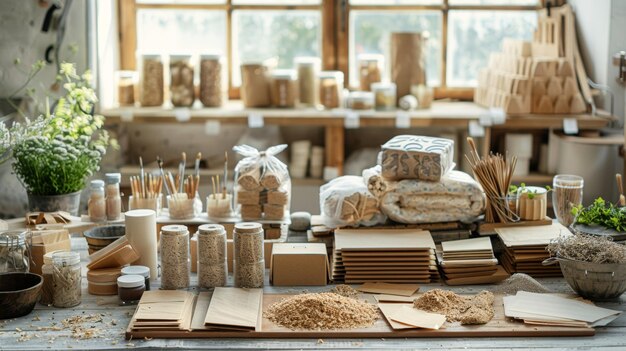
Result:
{"points": [[499, 326]]}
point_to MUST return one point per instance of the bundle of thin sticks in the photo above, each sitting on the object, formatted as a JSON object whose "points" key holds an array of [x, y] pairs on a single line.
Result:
{"points": [[149, 188], [179, 186], [494, 173], [215, 180]]}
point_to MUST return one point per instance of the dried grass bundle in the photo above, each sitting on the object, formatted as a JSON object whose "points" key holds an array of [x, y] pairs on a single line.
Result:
{"points": [[588, 248]]}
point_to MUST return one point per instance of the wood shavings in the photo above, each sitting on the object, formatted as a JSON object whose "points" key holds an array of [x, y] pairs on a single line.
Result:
{"points": [[345, 290], [477, 309], [322, 311]]}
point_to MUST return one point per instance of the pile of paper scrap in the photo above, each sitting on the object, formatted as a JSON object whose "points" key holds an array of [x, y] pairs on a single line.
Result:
{"points": [[164, 310], [384, 255], [556, 310], [470, 261]]}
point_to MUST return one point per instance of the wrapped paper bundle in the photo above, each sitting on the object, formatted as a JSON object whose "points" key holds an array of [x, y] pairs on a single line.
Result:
{"points": [[416, 157], [345, 201]]}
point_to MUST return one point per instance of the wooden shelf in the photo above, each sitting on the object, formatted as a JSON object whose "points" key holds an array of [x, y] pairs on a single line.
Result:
{"points": [[533, 178]]}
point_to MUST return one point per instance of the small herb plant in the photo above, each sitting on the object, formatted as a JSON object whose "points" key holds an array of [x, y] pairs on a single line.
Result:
{"points": [[601, 213], [523, 189]]}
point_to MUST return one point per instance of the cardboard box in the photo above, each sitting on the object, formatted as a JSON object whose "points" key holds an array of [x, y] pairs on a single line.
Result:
{"points": [[45, 241], [299, 264]]}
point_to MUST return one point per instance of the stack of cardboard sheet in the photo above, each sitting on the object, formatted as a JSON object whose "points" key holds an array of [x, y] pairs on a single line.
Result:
{"points": [[556, 310], [164, 310], [525, 249], [470, 261], [384, 255], [229, 309]]}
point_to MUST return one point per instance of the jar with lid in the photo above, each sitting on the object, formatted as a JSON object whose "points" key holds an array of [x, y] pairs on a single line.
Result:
{"points": [[361, 100], [284, 88], [66, 274], [96, 206], [152, 84], [181, 81], [126, 82], [14, 251], [331, 88], [212, 80], [384, 96], [130, 288], [248, 258], [174, 257], [47, 287], [212, 264], [370, 70], [138, 270], [308, 70], [255, 87], [113, 196]]}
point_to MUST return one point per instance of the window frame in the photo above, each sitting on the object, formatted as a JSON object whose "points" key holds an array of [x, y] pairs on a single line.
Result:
{"points": [[335, 37]]}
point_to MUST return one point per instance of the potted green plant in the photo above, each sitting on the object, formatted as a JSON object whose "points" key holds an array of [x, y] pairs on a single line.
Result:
{"points": [[532, 202], [54, 154]]}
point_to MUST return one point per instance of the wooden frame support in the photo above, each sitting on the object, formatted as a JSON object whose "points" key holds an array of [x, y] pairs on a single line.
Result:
{"points": [[335, 147]]}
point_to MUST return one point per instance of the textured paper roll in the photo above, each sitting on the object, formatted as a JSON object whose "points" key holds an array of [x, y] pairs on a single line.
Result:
{"points": [[141, 232]]}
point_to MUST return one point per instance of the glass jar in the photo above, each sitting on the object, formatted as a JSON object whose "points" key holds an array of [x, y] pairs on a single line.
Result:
{"points": [[130, 288], [47, 287], [146, 203], [126, 82], [181, 81], [284, 88], [14, 251], [212, 264], [308, 70], [174, 257], [113, 196], [567, 194], [361, 100], [138, 270], [370, 70], [151, 85], [96, 206], [212, 80], [384, 96], [331, 88], [255, 91], [248, 255], [182, 207], [66, 275]]}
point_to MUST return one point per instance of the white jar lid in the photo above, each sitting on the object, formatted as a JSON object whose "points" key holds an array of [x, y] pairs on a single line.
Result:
{"points": [[66, 258], [131, 281], [136, 270], [290, 74], [370, 58]]}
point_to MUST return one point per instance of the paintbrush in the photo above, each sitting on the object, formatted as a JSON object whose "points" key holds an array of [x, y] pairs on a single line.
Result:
{"points": [[181, 172], [160, 163], [225, 174], [142, 177]]}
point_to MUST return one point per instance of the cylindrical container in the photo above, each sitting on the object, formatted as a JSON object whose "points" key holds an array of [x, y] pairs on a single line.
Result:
{"points": [[47, 288], [113, 196], [284, 88], [212, 85], [138, 270], [255, 89], [532, 203], [181, 207], [96, 206], [361, 100], [308, 70], [174, 257], [331, 89], [567, 194], [219, 205], [130, 289], [248, 257], [126, 82], [141, 231], [138, 203], [384, 96], [181, 81], [424, 95], [370, 70], [103, 281], [152, 85], [317, 162], [212, 264], [14, 251], [66, 275]]}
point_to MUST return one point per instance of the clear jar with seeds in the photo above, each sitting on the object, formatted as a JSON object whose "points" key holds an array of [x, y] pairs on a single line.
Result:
{"points": [[370, 70], [66, 274], [151, 85], [248, 258], [181, 81], [212, 267], [249, 275], [212, 74], [331, 89], [47, 288], [174, 257]]}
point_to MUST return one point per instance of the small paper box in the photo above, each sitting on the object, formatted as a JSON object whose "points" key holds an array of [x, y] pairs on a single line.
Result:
{"points": [[296, 264], [45, 241], [417, 157]]}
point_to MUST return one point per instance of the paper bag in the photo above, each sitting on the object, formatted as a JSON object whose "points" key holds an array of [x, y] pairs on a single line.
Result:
{"points": [[407, 61]]}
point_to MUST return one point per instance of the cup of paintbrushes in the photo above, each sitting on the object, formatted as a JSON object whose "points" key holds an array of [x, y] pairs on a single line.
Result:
{"points": [[142, 203], [180, 206], [219, 205], [147, 194]]}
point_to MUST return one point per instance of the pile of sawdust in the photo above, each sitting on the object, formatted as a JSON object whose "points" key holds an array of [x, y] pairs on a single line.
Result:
{"points": [[322, 311], [345, 290], [520, 282], [477, 309]]}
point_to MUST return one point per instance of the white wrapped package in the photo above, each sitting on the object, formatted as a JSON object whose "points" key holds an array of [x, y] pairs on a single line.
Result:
{"points": [[345, 201], [374, 181], [456, 197]]}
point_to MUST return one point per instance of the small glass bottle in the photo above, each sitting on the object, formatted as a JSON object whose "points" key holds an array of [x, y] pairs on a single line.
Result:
{"points": [[308, 70], [138, 270], [126, 82], [96, 206], [67, 279], [182, 92], [113, 197], [370, 70], [331, 89], [130, 288], [284, 88], [384, 96], [152, 83]]}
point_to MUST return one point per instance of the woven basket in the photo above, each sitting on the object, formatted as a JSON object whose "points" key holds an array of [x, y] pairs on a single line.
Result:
{"points": [[594, 281]]}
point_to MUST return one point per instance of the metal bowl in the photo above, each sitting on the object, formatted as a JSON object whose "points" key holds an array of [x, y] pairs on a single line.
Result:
{"points": [[594, 281], [99, 237], [19, 292]]}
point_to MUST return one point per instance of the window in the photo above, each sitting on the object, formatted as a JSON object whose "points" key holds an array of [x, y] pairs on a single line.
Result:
{"points": [[461, 33]]}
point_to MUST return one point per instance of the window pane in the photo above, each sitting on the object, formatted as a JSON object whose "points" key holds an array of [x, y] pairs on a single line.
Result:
{"points": [[181, 31], [370, 33], [182, 2], [473, 35], [495, 2], [276, 2], [395, 2], [285, 34]]}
